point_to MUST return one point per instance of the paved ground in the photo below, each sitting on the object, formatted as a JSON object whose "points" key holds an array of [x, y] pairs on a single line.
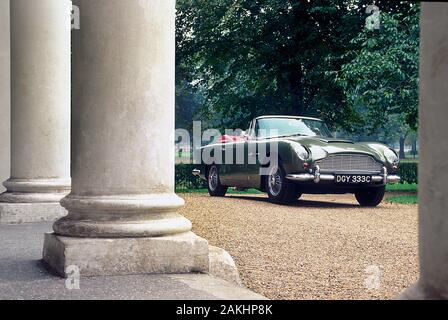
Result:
{"points": [[322, 247], [23, 276]]}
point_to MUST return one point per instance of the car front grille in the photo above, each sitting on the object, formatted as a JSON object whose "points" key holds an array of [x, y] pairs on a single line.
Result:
{"points": [[350, 163]]}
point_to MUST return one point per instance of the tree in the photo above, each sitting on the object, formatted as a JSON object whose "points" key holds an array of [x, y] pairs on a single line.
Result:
{"points": [[263, 57], [381, 78], [245, 58]]}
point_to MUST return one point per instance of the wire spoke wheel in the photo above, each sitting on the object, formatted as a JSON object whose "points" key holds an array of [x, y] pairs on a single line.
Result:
{"points": [[215, 188], [213, 179], [275, 181], [280, 190]]}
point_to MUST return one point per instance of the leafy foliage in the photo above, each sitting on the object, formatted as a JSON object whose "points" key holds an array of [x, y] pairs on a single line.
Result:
{"points": [[408, 172], [238, 59], [381, 79], [185, 180]]}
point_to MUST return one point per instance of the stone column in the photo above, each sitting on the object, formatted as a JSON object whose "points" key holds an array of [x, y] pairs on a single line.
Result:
{"points": [[433, 167], [40, 111], [122, 209], [5, 98]]}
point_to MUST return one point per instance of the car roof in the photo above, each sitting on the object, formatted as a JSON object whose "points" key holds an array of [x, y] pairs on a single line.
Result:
{"points": [[287, 117]]}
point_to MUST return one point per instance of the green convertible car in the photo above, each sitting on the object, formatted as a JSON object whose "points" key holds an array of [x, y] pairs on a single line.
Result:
{"points": [[289, 156]]}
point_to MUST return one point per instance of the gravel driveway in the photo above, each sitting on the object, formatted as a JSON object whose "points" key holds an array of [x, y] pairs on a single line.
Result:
{"points": [[321, 247]]}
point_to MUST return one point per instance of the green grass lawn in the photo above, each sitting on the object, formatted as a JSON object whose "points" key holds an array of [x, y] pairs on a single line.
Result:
{"points": [[408, 199], [411, 188], [404, 193], [409, 160]]}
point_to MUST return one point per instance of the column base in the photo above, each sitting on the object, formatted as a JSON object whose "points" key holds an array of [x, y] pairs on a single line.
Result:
{"points": [[35, 190], [183, 253], [223, 266], [17, 213]]}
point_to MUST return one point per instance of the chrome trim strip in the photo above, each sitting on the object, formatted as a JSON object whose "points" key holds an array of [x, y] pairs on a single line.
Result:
{"points": [[377, 178], [303, 177], [327, 177], [393, 179]]}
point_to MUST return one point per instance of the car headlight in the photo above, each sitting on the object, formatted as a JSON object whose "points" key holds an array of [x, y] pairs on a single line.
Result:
{"points": [[301, 152], [391, 156]]}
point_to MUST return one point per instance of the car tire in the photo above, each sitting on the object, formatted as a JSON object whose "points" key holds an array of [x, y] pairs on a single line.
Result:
{"points": [[279, 189], [370, 197], [215, 188]]}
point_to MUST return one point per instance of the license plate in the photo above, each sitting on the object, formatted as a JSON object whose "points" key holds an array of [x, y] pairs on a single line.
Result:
{"points": [[353, 179]]}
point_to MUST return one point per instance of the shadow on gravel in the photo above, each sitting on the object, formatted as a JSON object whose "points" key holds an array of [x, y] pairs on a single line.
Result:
{"points": [[299, 203]]}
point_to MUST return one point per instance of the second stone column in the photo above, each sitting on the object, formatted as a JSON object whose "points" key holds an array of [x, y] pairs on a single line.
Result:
{"points": [[40, 112], [433, 194], [122, 209]]}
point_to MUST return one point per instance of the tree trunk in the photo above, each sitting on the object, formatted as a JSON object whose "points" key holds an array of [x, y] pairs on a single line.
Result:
{"points": [[414, 147], [402, 143]]}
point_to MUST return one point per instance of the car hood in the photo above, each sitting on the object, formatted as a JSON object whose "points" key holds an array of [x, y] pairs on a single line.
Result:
{"points": [[323, 147]]}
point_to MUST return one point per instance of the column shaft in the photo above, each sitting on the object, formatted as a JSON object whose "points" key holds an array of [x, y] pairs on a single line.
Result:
{"points": [[40, 106], [123, 122], [40, 101]]}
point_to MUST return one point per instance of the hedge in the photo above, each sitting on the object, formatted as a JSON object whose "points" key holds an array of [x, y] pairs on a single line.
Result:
{"points": [[408, 172], [186, 180]]}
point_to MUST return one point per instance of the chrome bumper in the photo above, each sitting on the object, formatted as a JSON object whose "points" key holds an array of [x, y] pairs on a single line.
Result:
{"points": [[318, 177], [196, 172]]}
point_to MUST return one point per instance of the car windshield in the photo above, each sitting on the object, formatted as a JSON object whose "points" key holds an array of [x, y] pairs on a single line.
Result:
{"points": [[279, 127]]}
